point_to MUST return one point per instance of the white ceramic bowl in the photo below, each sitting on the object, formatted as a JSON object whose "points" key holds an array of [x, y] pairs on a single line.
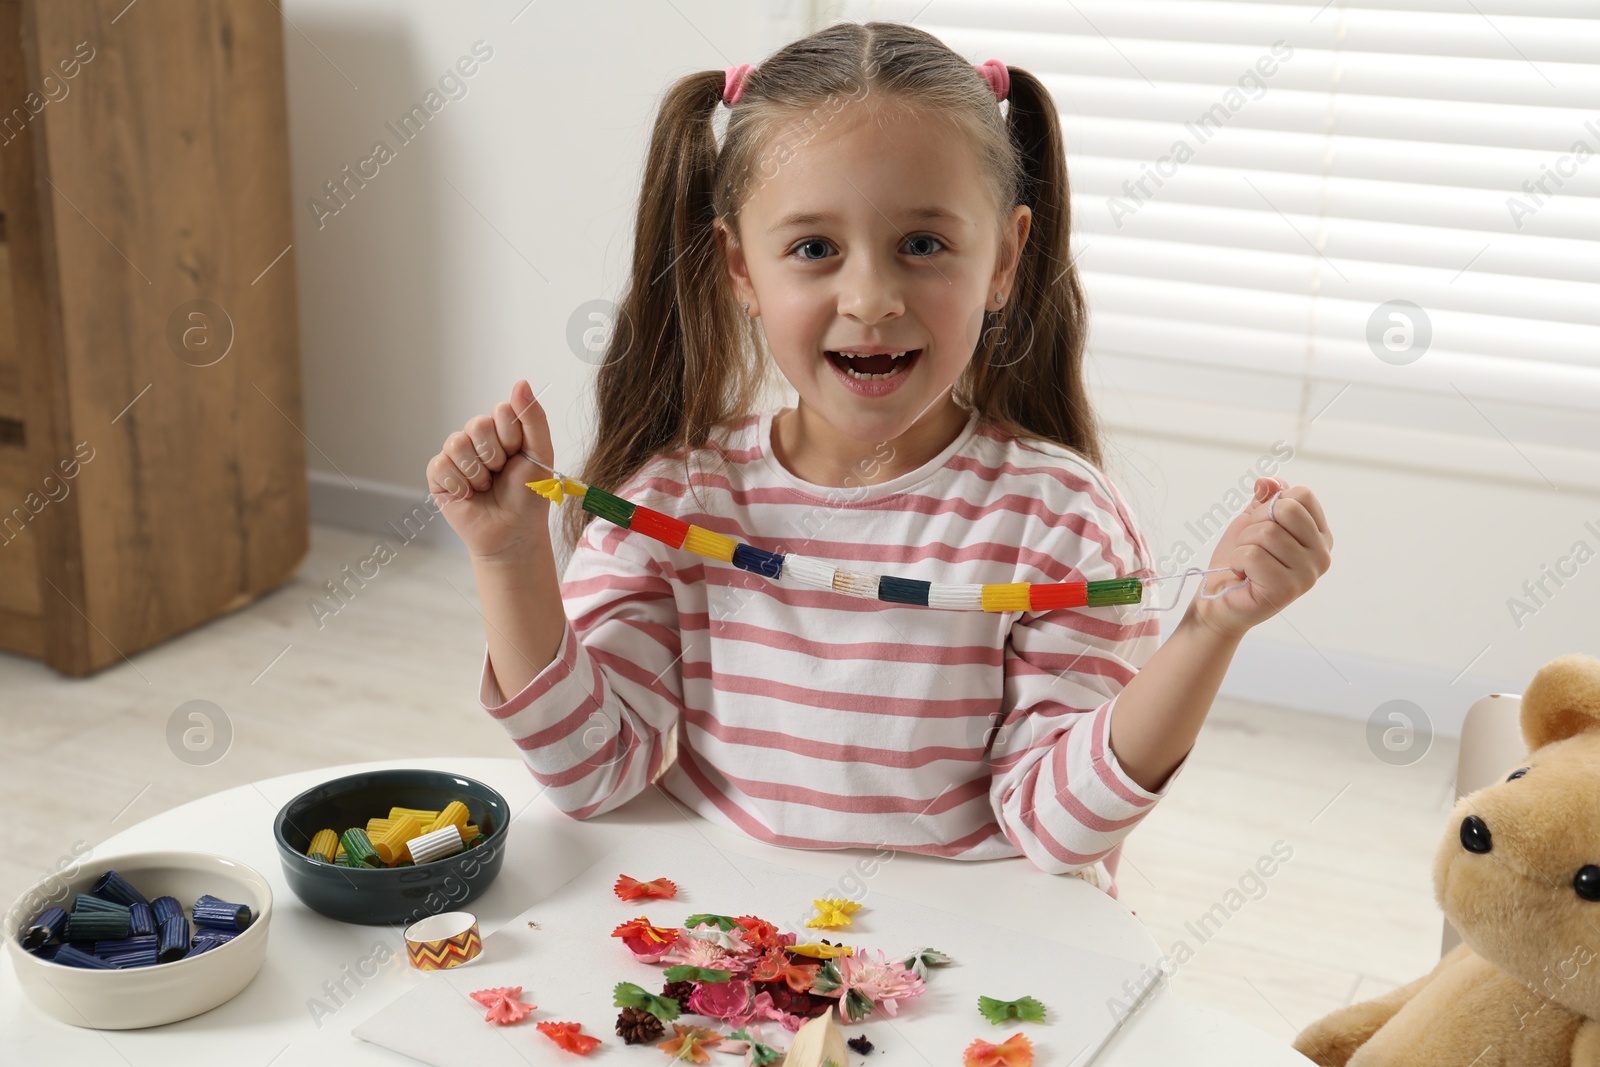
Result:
{"points": [[145, 996]]}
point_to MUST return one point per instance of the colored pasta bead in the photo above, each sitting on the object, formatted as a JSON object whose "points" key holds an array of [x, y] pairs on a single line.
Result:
{"points": [[75, 957], [221, 914], [1115, 591], [166, 908], [49, 926], [469, 831], [324, 845], [854, 583], [664, 528], [128, 951], [206, 940], [141, 920], [1048, 597], [113, 887], [894, 590], [358, 847], [757, 560], [1010, 596], [391, 844], [424, 816], [94, 919], [611, 508], [808, 571], [172, 939], [454, 814], [961, 597], [376, 826], [445, 841], [703, 542]]}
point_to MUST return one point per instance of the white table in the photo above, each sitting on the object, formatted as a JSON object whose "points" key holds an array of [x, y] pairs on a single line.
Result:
{"points": [[271, 1022]]}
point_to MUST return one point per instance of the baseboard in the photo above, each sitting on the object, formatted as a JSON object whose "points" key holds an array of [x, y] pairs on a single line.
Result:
{"points": [[381, 508], [1266, 672]]}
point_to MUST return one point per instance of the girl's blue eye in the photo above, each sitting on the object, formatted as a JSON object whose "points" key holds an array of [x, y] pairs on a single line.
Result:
{"points": [[812, 241], [808, 242]]}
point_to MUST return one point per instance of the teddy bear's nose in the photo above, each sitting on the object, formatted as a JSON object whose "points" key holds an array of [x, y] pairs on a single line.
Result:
{"points": [[1475, 835]]}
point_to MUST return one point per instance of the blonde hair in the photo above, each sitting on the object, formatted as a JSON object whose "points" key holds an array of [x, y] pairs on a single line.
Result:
{"points": [[679, 361]]}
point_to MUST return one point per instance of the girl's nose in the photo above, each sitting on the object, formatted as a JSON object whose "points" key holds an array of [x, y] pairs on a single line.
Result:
{"points": [[869, 291]]}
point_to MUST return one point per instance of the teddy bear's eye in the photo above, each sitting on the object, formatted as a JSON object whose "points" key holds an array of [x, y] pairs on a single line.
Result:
{"points": [[1518, 773], [1586, 883]]}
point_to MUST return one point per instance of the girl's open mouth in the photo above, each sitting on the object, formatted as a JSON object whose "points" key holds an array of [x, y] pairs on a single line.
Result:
{"points": [[873, 375]]}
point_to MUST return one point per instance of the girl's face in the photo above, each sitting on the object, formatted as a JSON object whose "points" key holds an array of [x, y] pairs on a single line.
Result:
{"points": [[878, 236]]}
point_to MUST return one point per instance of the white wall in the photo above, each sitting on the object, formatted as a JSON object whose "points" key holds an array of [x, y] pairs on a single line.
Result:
{"points": [[454, 272]]}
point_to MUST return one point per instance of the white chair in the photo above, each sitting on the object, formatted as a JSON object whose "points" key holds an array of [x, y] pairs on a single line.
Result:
{"points": [[1491, 744]]}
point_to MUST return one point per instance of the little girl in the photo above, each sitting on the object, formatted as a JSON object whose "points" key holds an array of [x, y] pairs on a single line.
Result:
{"points": [[898, 243]]}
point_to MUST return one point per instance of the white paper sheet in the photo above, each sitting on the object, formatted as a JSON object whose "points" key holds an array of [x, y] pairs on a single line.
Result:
{"points": [[569, 965]]}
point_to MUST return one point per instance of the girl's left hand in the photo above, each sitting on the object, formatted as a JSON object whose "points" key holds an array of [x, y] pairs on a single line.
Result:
{"points": [[1283, 552]]}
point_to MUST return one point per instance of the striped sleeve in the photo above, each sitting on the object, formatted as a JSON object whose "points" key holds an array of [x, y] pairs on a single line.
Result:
{"points": [[593, 725], [1058, 792]]}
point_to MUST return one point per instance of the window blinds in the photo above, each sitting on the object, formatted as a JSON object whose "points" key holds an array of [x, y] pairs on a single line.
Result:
{"points": [[1373, 231]]}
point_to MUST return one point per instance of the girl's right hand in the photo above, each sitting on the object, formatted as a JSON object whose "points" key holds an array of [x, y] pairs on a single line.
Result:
{"points": [[478, 479]]}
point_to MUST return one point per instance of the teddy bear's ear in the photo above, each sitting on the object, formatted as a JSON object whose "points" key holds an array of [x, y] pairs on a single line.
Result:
{"points": [[1563, 700]]}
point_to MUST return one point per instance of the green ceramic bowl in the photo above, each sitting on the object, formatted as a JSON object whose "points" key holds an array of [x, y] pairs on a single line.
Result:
{"points": [[389, 895]]}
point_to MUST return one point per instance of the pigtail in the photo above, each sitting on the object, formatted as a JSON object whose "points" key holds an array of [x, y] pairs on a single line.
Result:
{"points": [[671, 369], [1027, 374]]}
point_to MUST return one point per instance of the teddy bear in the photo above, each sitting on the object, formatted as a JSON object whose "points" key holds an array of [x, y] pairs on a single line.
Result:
{"points": [[1518, 874]]}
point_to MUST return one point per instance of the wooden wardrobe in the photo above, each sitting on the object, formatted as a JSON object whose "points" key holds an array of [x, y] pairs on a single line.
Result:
{"points": [[152, 468]]}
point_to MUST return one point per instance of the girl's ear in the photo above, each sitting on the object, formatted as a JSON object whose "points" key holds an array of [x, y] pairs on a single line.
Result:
{"points": [[738, 270], [1014, 238]]}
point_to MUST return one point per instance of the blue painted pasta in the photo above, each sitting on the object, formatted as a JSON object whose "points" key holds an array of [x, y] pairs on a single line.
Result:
{"points": [[903, 590], [112, 886], [172, 941], [220, 914], [76, 957], [757, 560], [165, 908], [48, 927]]}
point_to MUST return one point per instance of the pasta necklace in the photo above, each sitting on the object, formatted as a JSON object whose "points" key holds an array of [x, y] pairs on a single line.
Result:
{"points": [[890, 589]]}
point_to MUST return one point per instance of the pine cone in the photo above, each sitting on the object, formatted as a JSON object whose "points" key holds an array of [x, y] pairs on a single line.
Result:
{"points": [[678, 991], [637, 1027]]}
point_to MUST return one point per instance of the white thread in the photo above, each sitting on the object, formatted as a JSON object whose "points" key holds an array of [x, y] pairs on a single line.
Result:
{"points": [[1184, 576]]}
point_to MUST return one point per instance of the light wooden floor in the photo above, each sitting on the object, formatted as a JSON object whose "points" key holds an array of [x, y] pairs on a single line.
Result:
{"points": [[394, 674]]}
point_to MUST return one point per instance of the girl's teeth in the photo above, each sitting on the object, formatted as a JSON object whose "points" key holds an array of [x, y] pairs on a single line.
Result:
{"points": [[862, 377]]}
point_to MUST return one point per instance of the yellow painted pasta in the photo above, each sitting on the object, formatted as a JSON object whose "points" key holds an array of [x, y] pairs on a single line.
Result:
{"points": [[1010, 596], [424, 816], [454, 814], [391, 844], [325, 843], [469, 831], [703, 542], [377, 826]]}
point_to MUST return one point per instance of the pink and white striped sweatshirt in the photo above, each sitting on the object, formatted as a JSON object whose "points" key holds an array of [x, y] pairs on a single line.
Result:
{"points": [[811, 719]]}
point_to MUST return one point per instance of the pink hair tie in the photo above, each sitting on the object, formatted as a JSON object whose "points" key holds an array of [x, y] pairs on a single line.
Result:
{"points": [[995, 73], [733, 83]]}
